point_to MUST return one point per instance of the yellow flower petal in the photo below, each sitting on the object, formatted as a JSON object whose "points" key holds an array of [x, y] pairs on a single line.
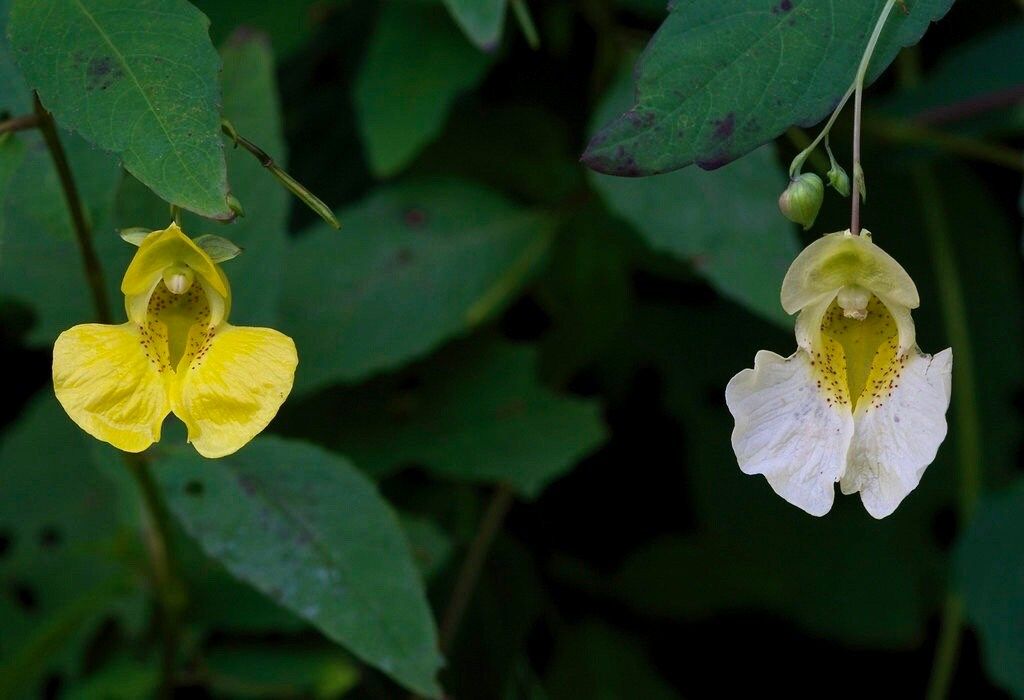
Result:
{"points": [[232, 388], [841, 259], [109, 385], [160, 250]]}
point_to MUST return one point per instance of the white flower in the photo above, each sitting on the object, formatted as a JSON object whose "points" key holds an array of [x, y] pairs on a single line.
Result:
{"points": [[858, 402]]}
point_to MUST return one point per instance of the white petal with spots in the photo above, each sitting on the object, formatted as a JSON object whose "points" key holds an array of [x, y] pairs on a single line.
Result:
{"points": [[787, 430], [894, 442]]}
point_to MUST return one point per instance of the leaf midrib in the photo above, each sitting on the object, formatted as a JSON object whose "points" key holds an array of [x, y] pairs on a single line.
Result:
{"points": [[152, 109]]}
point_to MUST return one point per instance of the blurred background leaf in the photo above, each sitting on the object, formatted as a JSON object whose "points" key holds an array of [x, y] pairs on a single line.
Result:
{"points": [[417, 63], [418, 264]]}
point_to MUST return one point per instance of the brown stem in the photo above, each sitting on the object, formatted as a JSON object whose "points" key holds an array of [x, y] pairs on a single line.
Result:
{"points": [[25, 121], [83, 235], [971, 107], [170, 592]]}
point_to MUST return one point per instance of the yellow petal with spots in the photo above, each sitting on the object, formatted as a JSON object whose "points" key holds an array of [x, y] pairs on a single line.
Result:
{"points": [[109, 381], [231, 384]]}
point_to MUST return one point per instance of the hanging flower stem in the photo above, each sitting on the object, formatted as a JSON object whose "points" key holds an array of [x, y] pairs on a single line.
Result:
{"points": [[857, 192], [170, 591]]}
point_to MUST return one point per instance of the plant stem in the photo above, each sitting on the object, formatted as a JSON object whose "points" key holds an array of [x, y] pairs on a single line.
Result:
{"points": [[290, 183], [965, 146], [25, 121], [170, 592], [93, 269], [526, 25], [858, 97], [473, 564], [965, 407], [802, 141], [798, 162]]}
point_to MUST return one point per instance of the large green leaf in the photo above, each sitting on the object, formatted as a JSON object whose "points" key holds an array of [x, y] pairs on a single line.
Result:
{"points": [[481, 20], [15, 96], [40, 264], [416, 264], [727, 224], [306, 528], [138, 79], [251, 103], [477, 412], [989, 571], [59, 530], [417, 63], [722, 77]]}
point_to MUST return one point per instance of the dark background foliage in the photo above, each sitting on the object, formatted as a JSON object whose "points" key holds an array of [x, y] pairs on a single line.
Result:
{"points": [[635, 561]]}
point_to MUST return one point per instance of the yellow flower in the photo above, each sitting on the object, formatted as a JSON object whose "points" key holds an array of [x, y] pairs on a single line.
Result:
{"points": [[858, 402], [177, 352]]}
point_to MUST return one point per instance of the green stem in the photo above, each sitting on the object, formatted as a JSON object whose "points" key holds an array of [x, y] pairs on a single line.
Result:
{"points": [[526, 25], [473, 564], [965, 146], [966, 418], [290, 183], [858, 96], [93, 269], [170, 592], [798, 162]]}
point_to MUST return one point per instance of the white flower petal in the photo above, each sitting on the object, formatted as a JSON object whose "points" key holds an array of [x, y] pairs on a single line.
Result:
{"points": [[897, 438], [787, 429]]}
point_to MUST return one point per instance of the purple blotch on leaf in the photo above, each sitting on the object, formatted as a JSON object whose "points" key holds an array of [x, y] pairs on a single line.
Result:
{"points": [[724, 127]]}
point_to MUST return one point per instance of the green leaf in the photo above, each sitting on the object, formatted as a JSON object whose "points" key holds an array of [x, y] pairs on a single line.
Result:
{"points": [[60, 536], [989, 568], [722, 77], [593, 661], [481, 20], [15, 97], [275, 671], [431, 546], [39, 254], [251, 102], [288, 24], [417, 63], [415, 265], [727, 224], [136, 79], [476, 412], [122, 679], [303, 526]]}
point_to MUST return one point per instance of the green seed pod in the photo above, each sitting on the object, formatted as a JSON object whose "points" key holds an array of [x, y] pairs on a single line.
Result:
{"points": [[801, 201]]}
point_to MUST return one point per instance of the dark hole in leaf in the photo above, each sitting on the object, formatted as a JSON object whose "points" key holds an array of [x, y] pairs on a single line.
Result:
{"points": [[5, 543], [24, 596], [49, 537], [194, 488]]}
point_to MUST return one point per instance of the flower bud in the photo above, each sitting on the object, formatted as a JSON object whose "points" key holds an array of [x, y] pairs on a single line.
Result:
{"points": [[802, 199], [839, 180]]}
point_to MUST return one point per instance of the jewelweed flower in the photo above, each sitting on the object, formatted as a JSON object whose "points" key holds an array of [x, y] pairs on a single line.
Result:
{"points": [[177, 353], [858, 402]]}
